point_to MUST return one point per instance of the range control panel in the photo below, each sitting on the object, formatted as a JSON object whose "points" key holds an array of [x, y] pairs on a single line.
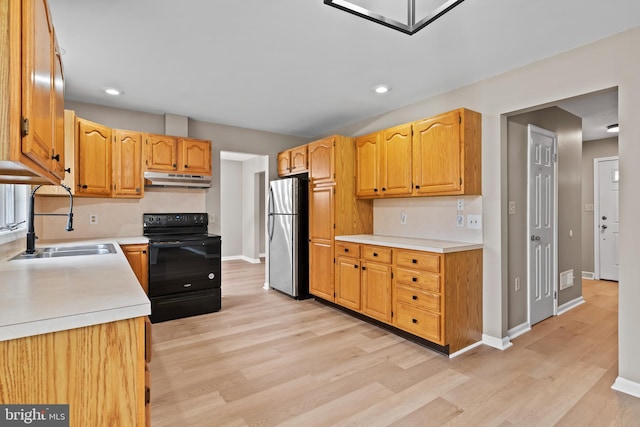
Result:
{"points": [[174, 219]]}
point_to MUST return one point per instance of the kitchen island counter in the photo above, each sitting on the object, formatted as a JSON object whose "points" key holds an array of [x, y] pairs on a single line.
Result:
{"points": [[39, 296]]}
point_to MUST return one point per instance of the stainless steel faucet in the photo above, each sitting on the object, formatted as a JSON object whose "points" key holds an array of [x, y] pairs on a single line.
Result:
{"points": [[31, 234]]}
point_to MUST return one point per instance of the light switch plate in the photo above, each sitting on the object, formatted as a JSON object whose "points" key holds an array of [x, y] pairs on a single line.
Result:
{"points": [[512, 208], [460, 220], [460, 204]]}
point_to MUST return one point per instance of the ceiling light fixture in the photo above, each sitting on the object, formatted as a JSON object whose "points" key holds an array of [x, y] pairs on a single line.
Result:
{"points": [[613, 128], [114, 92], [380, 89], [409, 19]]}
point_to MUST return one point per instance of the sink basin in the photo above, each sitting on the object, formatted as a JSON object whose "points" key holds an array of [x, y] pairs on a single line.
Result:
{"points": [[63, 251]]}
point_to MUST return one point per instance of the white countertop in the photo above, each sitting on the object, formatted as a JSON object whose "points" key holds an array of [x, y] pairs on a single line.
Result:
{"points": [[428, 245], [39, 296]]}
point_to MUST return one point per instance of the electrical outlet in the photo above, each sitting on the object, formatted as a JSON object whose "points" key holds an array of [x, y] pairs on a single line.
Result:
{"points": [[460, 220], [403, 217], [588, 207], [212, 218], [93, 219], [516, 284], [460, 204], [512, 208], [474, 222]]}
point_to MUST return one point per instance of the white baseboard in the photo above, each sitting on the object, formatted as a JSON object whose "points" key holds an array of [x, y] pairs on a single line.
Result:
{"points": [[499, 343], [464, 350], [264, 255], [516, 331], [588, 275], [627, 386], [570, 305], [242, 258], [266, 285]]}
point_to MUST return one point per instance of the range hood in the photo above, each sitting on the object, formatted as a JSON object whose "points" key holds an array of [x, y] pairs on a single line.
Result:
{"points": [[162, 179]]}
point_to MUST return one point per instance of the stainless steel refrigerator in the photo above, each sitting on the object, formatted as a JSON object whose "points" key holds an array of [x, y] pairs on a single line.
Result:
{"points": [[288, 229]]}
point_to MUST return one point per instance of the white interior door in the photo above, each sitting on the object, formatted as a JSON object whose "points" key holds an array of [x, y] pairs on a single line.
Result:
{"points": [[542, 236], [606, 218]]}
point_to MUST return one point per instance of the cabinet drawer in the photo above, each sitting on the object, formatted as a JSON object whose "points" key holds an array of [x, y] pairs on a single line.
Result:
{"points": [[418, 279], [419, 322], [376, 253], [347, 249], [418, 299], [420, 260]]}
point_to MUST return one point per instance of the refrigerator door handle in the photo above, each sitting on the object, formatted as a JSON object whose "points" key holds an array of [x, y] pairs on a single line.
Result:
{"points": [[270, 225]]}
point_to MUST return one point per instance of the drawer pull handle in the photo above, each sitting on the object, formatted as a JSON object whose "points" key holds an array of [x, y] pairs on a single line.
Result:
{"points": [[417, 187], [415, 261], [415, 279], [375, 190], [355, 265], [384, 189], [414, 320], [346, 249], [364, 268], [414, 297], [375, 254]]}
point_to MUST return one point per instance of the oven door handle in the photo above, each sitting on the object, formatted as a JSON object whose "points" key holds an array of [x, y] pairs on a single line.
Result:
{"points": [[172, 244]]}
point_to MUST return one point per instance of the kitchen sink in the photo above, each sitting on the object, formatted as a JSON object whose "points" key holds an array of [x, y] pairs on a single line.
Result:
{"points": [[64, 251]]}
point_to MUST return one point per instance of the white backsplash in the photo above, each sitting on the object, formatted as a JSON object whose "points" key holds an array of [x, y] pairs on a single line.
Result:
{"points": [[427, 218], [116, 217]]}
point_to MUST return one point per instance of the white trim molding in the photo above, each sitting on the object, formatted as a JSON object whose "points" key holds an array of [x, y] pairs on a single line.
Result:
{"points": [[569, 305], [464, 350], [626, 386], [242, 258], [521, 329], [499, 343]]}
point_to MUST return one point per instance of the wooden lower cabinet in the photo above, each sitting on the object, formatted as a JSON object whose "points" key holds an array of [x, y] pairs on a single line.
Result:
{"points": [[98, 370], [138, 257], [321, 270], [434, 296]]}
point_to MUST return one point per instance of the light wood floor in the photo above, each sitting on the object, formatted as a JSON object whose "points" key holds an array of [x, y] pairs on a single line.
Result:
{"points": [[266, 359]]}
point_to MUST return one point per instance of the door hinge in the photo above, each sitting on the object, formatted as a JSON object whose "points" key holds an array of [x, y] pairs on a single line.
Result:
{"points": [[460, 180], [334, 226], [392, 313], [392, 274], [24, 127], [459, 118], [555, 157]]}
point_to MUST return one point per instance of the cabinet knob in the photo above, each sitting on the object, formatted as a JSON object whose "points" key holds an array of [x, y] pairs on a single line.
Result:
{"points": [[346, 249], [186, 166], [375, 190], [355, 266], [83, 186], [415, 261], [415, 279], [68, 170], [414, 320], [174, 165], [414, 297], [375, 254], [384, 189], [56, 157], [144, 252], [417, 187], [364, 268]]}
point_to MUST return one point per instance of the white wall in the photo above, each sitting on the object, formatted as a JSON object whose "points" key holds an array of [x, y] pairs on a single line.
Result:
{"points": [[252, 215], [231, 207], [605, 64]]}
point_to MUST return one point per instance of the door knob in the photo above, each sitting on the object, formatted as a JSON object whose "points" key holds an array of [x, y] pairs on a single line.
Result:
{"points": [[604, 218], [604, 227], [535, 238]]}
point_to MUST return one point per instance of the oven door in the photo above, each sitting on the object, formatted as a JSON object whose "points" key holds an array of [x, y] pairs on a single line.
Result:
{"points": [[183, 266]]}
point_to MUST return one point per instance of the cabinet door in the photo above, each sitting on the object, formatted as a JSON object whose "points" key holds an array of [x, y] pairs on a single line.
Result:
{"points": [[395, 165], [321, 270], [58, 157], [195, 156], [37, 88], [162, 153], [127, 164], [322, 161], [138, 258], [298, 159], [321, 221], [93, 159], [376, 290], [437, 155], [368, 165], [283, 163], [348, 282]]}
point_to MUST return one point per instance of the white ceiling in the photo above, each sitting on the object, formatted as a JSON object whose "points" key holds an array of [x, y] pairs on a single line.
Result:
{"points": [[300, 67]]}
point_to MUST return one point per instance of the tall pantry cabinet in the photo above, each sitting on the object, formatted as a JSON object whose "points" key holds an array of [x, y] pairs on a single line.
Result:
{"points": [[333, 208]]}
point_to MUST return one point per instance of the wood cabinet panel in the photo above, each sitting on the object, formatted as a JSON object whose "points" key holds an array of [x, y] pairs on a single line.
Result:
{"points": [[422, 300], [58, 157], [321, 270], [162, 153], [376, 290], [395, 166], [376, 254], [97, 370], [426, 261], [321, 211], [284, 163], [138, 257], [93, 159], [195, 156], [322, 161], [127, 164], [348, 282], [422, 323], [418, 279], [298, 159], [368, 165], [348, 249]]}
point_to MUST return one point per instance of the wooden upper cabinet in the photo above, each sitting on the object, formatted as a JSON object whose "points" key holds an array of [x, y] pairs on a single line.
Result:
{"points": [[284, 167], [322, 161], [127, 164], [93, 159], [447, 154], [162, 153], [293, 161], [194, 156], [173, 154], [368, 165], [58, 157], [395, 164]]}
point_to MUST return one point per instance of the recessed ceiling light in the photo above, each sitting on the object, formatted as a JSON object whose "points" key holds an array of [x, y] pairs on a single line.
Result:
{"points": [[613, 128], [112, 91], [381, 89]]}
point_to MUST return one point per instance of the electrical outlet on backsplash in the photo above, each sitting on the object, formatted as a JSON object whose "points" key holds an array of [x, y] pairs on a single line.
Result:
{"points": [[431, 218]]}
